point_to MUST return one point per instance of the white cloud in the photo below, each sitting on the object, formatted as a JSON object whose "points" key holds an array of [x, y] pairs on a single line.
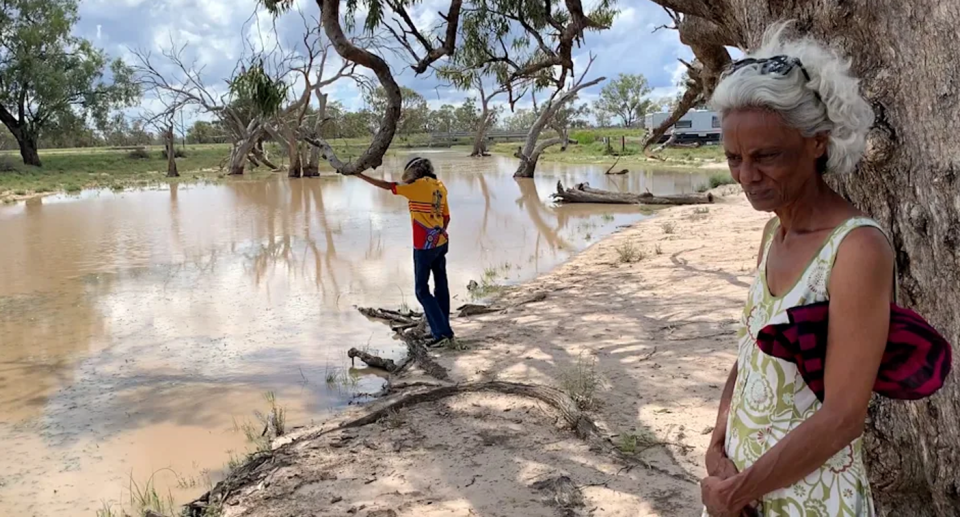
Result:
{"points": [[219, 32]]}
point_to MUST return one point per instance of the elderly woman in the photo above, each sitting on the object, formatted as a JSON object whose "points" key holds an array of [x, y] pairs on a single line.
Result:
{"points": [[791, 114]]}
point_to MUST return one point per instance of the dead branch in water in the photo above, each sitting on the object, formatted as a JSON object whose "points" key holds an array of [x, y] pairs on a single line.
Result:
{"points": [[615, 162], [584, 193], [411, 328], [372, 360]]}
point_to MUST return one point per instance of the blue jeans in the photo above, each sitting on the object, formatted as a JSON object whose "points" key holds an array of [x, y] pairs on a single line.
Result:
{"points": [[436, 306]]}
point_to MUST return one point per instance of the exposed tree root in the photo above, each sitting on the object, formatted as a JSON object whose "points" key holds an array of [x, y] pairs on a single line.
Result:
{"points": [[260, 464], [575, 419]]}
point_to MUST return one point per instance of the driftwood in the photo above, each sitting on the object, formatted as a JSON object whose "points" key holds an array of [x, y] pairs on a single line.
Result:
{"points": [[584, 193], [615, 162], [474, 309], [372, 360], [410, 327]]}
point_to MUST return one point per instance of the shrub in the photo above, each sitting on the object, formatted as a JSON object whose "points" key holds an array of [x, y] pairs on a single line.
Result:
{"points": [[721, 178], [628, 253], [7, 164], [138, 154], [584, 137], [178, 152]]}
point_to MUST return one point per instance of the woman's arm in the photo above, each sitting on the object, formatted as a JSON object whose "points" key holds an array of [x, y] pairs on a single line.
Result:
{"points": [[385, 185], [860, 285], [717, 462]]}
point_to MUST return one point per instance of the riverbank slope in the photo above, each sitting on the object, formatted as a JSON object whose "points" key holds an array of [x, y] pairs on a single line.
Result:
{"points": [[644, 344]]}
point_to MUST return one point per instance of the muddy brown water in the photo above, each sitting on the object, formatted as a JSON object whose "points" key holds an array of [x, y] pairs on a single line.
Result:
{"points": [[138, 329]]}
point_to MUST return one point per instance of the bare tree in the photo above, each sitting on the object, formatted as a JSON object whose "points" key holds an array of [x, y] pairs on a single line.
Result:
{"points": [[185, 89], [566, 26], [530, 153], [908, 181]]}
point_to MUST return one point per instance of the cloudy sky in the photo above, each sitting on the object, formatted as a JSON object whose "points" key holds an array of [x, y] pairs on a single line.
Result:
{"points": [[219, 32]]}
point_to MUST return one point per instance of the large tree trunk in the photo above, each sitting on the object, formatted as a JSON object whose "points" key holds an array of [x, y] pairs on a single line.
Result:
{"points": [[909, 182], [171, 153], [312, 168], [239, 154], [480, 138], [28, 149]]}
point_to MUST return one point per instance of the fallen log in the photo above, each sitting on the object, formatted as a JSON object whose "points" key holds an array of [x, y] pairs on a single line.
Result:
{"points": [[372, 360], [584, 193]]}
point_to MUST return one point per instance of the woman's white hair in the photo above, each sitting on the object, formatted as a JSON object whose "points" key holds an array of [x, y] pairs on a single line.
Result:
{"points": [[830, 101]]}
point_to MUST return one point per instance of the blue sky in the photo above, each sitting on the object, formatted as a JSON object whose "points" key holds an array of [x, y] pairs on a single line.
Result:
{"points": [[216, 33]]}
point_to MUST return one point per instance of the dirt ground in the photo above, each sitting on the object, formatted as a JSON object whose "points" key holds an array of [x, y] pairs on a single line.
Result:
{"points": [[656, 334]]}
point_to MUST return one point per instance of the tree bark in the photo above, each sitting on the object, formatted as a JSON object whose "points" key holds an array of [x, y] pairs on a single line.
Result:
{"points": [[238, 156], [28, 149], [312, 168], [171, 153], [909, 183], [583, 193]]}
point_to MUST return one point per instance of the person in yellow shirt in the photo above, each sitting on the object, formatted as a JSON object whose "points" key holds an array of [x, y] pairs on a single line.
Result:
{"points": [[430, 216]]}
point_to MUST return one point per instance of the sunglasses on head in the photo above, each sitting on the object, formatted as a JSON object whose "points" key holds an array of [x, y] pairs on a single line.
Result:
{"points": [[780, 65]]}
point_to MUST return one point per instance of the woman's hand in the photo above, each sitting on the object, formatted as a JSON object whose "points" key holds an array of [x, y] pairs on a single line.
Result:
{"points": [[713, 493], [718, 464]]}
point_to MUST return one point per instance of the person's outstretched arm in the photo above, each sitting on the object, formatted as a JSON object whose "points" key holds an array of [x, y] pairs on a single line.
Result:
{"points": [[385, 185]]}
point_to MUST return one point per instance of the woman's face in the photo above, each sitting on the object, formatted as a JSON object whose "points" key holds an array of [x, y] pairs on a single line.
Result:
{"points": [[770, 160]]}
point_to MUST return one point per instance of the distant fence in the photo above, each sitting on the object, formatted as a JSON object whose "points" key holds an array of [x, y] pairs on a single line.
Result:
{"points": [[491, 135]]}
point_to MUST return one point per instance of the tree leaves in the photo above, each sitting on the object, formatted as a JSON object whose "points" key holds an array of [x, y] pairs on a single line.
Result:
{"points": [[265, 94], [625, 97], [46, 71]]}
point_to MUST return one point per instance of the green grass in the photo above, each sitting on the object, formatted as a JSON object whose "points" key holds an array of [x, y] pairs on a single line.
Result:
{"points": [[592, 150], [72, 170]]}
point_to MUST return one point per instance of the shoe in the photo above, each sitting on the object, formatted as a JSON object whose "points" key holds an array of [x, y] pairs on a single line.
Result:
{"points": [[440, 342]]}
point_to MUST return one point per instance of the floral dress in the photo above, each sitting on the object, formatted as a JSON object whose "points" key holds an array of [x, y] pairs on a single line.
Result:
{"points": [[770, 398]]}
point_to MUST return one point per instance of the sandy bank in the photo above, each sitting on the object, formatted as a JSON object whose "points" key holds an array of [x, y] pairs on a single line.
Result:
{"points": [[658, 335]]}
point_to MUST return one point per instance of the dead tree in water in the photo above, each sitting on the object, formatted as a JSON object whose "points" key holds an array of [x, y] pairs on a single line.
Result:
{"points": [[530, 152], [908, 181], [169, 145]]}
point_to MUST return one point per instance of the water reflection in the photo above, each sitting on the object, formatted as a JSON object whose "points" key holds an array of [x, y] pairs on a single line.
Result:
{"points": [[133, 324]]}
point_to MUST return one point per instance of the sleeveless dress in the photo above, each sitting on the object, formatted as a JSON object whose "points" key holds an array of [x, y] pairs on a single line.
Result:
{"points": [[770, 399]]}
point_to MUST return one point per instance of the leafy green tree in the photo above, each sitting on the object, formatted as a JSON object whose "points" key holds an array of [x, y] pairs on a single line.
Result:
{"points": [[46, 71], [414, 110], [624, 97]]}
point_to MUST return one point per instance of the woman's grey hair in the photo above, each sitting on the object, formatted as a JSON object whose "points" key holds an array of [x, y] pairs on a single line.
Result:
{"points": [[418, 168], [829, 101]]}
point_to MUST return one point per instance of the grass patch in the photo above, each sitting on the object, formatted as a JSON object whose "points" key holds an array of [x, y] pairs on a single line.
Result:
{"points": [[668, 227], [147, 498], [591, 149], [581, 382], [267, 426], [721, 178], [607, 218], [71, 170], [340, 378], [490, 281], [628, 253], [632, 443]]}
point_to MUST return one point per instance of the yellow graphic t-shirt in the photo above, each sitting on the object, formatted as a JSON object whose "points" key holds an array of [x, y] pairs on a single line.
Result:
{"points": [[429, 211]]}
